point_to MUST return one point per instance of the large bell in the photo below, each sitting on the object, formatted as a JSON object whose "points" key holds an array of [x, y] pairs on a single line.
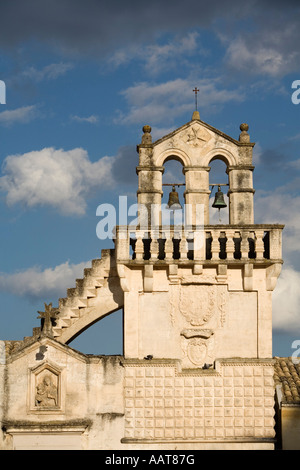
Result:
{"points": [[219, 202], [173, 202]]}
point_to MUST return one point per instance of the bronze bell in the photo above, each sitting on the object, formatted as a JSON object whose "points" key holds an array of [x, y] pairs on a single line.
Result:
{"points": [[219, 202], [173, 202]]}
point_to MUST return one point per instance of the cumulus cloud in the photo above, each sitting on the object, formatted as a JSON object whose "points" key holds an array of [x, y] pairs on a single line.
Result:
{"points": [[286, 301], [161, 57], [267, 60], [280, 207], [90, 119], [59, 178], [38, 284], [270, 47], [156, 103], [22, 115], [49, 72]]}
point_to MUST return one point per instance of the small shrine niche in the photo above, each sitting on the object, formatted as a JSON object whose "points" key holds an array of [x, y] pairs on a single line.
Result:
{"points": [[45, 388]]}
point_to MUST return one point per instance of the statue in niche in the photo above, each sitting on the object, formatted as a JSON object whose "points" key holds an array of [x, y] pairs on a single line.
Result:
{"points": [[46, 393]]}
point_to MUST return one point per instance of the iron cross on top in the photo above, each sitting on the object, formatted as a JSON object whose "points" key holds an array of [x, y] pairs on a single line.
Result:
{"points": [[196, 91]]}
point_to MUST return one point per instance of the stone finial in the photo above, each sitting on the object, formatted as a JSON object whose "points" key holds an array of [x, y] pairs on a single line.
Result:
{"points": [[196, 116], [147, 138], [47, 316], [244, 136]]}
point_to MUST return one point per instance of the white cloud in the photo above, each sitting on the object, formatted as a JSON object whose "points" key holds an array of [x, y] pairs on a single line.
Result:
{"points": [[286, 301], [156, 103], [280, 207], [35, 283], [266, 60], [24, 114], [90, 119], [271, 50], [159, 57], [58, 178], [49, 72]]}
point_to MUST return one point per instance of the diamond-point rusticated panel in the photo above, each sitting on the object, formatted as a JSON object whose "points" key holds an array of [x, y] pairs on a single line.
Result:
{"points": [[235, 401]]}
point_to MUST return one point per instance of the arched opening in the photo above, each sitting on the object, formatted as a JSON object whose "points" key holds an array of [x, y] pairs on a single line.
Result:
{"points": [[105, 337], [218, 175], [173, 174]]}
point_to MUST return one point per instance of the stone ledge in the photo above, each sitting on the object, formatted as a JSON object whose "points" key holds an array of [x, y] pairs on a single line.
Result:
{"points": [[128, 440], [15, 426]]}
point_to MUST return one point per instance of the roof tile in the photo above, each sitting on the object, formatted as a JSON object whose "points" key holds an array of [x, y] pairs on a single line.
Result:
{"points": [[287, 374]]}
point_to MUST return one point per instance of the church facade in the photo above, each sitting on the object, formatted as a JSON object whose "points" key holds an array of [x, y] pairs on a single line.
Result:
{"points": [[197, 370]]}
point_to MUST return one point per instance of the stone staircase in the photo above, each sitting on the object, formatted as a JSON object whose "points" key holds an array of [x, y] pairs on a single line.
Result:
{"points": [[92, 293], [79, 298]]}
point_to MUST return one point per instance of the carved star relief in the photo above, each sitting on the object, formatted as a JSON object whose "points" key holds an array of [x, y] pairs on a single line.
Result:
{"points": [[194, 137]]}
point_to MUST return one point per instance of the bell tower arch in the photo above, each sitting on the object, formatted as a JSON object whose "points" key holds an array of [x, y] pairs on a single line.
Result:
{"points": [[195, 145]]}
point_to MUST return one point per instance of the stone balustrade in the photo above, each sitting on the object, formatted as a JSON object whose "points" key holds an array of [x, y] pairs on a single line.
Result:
{"points": [[212, 243]]}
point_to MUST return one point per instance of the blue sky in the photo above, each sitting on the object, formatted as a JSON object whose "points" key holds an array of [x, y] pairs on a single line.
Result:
{"points": [[82, 78]]}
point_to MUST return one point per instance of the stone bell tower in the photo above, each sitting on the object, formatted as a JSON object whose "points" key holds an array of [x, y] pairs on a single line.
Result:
{"points": [[197, 368], [198, 299]]}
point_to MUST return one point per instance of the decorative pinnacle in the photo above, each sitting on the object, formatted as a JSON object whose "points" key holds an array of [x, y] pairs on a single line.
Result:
{"points": [[244, 136], [48, 315], [147, 138], [244, 127]]}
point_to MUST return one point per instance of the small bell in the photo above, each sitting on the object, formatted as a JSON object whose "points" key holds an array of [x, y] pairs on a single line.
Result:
{"points": [[219, 202], [173, 202]]}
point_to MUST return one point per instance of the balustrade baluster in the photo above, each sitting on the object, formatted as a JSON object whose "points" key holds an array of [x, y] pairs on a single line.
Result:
{"points": [[154, 247], [183, 247], [230, 246], [139, 246], [245, 244], [259, 245], [169, 248], [215, 245]]}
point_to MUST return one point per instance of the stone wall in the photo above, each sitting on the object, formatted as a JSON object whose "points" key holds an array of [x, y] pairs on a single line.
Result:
{"points": [[232, 403]]}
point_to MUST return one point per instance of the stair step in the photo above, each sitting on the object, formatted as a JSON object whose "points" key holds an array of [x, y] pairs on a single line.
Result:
{"points": [[91, 293], [87, 272], [56, 331], [74, 312], [71, 292], [76, 302], [63, 322], [62, 302]]}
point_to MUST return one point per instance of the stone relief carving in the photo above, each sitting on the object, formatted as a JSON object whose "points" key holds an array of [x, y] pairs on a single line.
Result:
{"points": [[222, 307], [45, 389], [197, 350], [198, 304], [197, 347], [197, 311], [196, 136], [46, 392]]}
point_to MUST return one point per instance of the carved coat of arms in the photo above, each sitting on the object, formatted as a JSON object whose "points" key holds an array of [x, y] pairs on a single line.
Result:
{"points": [[198, 304]]}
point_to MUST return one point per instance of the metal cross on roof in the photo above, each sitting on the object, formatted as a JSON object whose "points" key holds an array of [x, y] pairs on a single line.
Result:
{"points": [[195, 90]]}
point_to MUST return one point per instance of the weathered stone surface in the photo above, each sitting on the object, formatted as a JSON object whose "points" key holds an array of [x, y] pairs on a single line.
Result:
{"points": [[197, 369]]}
